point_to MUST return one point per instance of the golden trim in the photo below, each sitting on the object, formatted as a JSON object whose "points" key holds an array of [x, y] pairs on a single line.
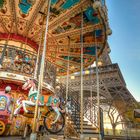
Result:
{"points": [[11, 75]]}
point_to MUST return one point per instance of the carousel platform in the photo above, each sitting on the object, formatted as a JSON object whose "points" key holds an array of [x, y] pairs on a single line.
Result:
{"points": [[48, 137]]}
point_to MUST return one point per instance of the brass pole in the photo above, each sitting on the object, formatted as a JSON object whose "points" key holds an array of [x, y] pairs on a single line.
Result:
{"points": [[33, 135], [37, 61], [97, 82], [91, 96], [81, 109], [67, 85]]}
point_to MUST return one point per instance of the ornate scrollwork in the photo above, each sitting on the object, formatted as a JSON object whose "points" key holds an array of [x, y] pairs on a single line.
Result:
{"points": [[3, 8], [21, 61]]}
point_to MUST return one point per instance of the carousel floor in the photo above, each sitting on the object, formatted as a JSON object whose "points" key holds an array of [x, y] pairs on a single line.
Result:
{"points": [[43, 138]]}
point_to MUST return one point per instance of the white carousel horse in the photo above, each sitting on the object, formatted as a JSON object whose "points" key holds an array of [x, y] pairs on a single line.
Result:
{"points": [[53, 101], [21, 102]]}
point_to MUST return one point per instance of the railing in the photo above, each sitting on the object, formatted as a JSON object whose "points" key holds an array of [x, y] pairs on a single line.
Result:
{"points": [[23, 62], [101, 69], [18, 60], [73, 99], [107, 68], [128, 131], [90, 109], [75, 109], [91, 112]]}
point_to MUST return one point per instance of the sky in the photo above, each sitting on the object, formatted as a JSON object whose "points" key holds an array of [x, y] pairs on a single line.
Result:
{"points": [[124, 20]]}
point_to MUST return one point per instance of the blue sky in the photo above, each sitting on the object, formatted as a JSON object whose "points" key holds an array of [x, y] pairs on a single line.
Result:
{"points": [[124, 19]]}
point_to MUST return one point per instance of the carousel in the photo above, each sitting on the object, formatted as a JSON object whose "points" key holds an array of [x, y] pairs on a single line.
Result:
{"points": [[39, 40]]}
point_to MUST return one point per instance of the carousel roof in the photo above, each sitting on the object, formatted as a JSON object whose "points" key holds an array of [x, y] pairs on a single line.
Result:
{"points": [[24, 21]]}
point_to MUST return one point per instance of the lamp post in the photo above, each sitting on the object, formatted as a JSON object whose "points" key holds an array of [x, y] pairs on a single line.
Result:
{"points": [[41, 75]]}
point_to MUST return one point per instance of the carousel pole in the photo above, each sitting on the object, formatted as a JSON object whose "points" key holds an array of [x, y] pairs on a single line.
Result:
{"points": [[91, 95], [37, 61], [36, 71], [67, 87], [98, 92], [81, 93], [41, 75]]}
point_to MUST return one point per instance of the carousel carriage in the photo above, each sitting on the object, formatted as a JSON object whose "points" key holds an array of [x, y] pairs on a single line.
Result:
{"points": [[5, 109]]}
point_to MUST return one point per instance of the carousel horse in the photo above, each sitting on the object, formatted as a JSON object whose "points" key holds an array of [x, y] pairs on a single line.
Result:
{"points": [[53, 101]]}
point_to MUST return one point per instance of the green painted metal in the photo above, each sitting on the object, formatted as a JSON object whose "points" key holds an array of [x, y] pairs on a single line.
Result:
{"points": [[1, 3]]}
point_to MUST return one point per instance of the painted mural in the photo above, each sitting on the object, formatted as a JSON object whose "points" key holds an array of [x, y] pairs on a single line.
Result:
{"points": [[90, 17], [3, 8], [3, 103], [25, 6], [78, 59], [69, 3], [88, 37], [1, 3], [59, 6], [30, 28]]}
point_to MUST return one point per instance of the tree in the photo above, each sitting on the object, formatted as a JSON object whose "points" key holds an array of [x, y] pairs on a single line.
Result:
{"points": [[117, 113]]}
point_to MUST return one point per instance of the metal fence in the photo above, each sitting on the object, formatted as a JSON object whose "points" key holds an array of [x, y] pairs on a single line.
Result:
{"points": [[22, 61], [128, 131]]}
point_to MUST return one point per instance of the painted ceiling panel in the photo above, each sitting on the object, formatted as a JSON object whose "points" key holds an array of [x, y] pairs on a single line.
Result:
{"points": [[69, 3], [1, 3], [91, 15], [24, 6], [53, 1]]}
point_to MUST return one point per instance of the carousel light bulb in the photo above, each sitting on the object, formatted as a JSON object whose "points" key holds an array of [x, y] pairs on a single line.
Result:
{"points": [[8, 89], [72, 67], [97, 4], [100, 63], [87, 72], [72, 77], [57, 87], [109, 31]]}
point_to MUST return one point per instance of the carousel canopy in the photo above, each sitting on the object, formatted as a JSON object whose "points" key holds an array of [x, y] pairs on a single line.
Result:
{"points": [[24, 21]]}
